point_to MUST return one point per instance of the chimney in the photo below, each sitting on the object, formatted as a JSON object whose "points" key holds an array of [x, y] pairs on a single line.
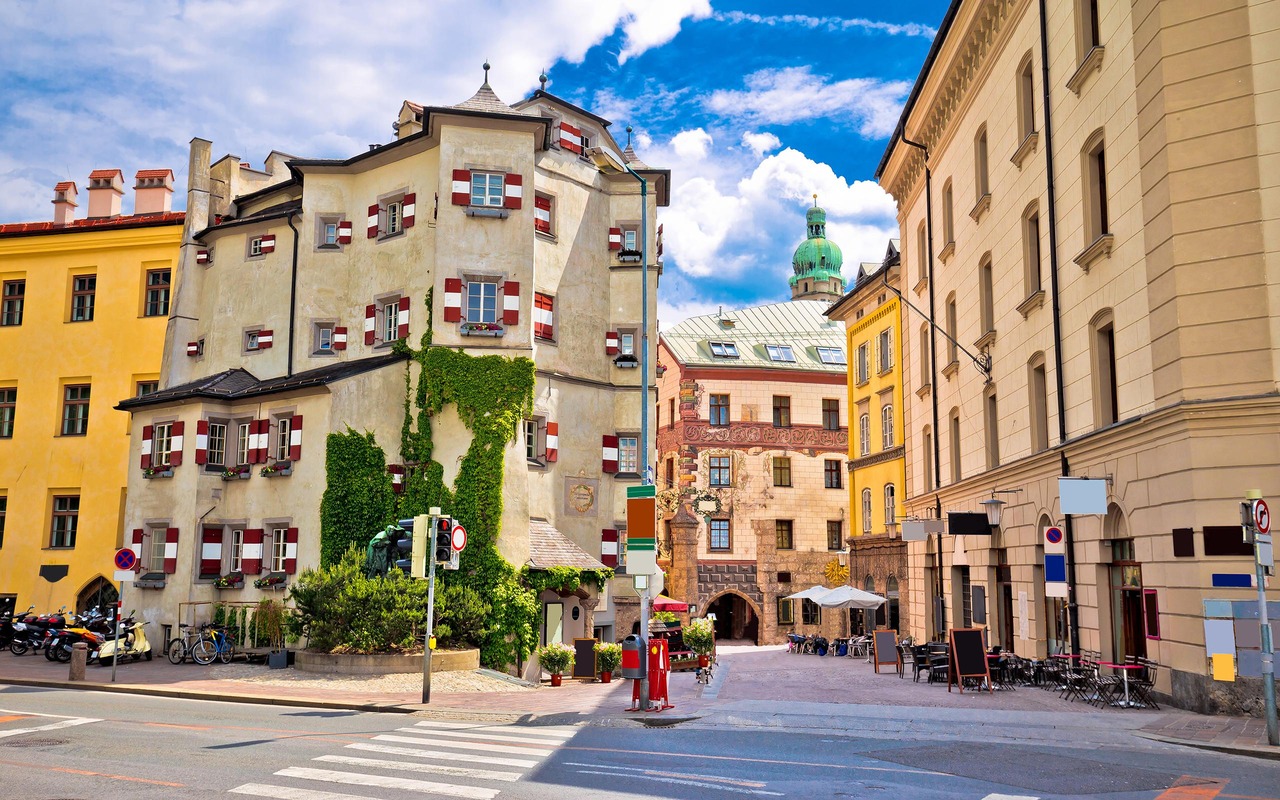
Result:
{"points": [[106, 187], [153, 191], [64, 203]]}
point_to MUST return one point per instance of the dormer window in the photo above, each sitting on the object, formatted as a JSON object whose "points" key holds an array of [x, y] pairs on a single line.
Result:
{"points": [[780, 352], [724, 349], [831, 355]]}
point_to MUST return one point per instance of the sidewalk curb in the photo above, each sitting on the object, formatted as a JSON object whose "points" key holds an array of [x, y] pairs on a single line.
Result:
{"points": [[1267, 753]]}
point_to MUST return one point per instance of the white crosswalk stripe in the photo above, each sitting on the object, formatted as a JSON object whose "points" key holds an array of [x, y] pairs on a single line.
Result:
{"points": [[456, 759], [998, 796]]}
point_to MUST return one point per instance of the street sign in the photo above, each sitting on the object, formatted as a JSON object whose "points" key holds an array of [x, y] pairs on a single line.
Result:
{"points": [[1053, 535], [1055, 563], [125, 559], [459, 538], [1261, 516]]}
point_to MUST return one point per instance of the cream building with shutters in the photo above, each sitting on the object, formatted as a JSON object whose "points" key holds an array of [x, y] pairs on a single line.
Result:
{"points": [[298, 280], [1107, 268]]}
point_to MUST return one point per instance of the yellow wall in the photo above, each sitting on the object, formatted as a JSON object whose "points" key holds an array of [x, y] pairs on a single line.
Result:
{"points": [[111, 353]]}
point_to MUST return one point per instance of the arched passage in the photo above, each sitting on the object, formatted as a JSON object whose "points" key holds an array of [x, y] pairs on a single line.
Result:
{"points": [[97, 593], [735, 618]]}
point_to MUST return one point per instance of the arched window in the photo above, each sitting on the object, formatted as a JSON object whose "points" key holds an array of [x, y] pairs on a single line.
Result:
{"points": [[890, 504], [866, 511], [864, 434], [1038, 403], [891, 603], [991, 423], [886, 427], [981, 184], [1031, 249], [948, 218], [926, 379], [1106, 407], [1094, 181], [1026, 98], [953, 444], [986, 296], [922, 254], [926, 441]]}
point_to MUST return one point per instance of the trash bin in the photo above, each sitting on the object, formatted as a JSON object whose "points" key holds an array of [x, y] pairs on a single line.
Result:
{"points": [[633, 658]]}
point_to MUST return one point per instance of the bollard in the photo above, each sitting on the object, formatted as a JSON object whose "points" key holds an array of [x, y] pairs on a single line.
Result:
{"points": [[79, 654]]}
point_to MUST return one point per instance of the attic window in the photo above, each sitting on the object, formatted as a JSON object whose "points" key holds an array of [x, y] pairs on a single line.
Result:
{"points": [[724, 349], [780, 352], [831, 355]]}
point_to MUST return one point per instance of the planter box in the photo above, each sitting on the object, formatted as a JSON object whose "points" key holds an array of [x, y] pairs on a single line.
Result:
{"points": [[278, 659], [331, 664], [281, 469], [240, 476], [166, 473]]}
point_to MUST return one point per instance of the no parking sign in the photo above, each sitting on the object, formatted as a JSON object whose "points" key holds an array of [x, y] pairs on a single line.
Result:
{"points": [[1055, 562]]}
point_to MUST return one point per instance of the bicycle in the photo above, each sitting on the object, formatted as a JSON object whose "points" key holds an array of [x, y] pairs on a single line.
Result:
{"points": [[215, 643], [179, 648]]}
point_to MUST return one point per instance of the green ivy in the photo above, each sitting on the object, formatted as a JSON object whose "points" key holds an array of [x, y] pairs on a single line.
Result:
{"points": [[358, 499], [564, 579]]}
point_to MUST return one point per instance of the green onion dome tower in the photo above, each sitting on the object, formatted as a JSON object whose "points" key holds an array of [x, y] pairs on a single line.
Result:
{"points": [[817, 261]]}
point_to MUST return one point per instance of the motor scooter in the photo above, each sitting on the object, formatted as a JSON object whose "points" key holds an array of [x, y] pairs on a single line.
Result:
{"points": [[132, 644], [7, 621], [91, 628], [34, 632]]}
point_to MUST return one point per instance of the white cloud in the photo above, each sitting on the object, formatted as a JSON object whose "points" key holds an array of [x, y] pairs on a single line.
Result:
{"points": [[761, 143], [654, 24], [692, 144], [795, 94], [832, 24]]}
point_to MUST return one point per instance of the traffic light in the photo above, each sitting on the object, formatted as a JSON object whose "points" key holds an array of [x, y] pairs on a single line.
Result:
{"points": [[444, 540], [411, 546], [402, 545]]}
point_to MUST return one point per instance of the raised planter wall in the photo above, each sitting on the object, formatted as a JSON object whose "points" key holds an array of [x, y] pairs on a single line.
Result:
{"points": [[330, 664]]}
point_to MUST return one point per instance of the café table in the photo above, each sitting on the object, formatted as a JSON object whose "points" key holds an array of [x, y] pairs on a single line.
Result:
{"points": [[1124, 670]]}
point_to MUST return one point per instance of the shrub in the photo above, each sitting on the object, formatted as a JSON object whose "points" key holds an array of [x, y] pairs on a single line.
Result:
{"points": [[555, 658], [664, 616], [463, 617], [700, 636], [608, 656]]}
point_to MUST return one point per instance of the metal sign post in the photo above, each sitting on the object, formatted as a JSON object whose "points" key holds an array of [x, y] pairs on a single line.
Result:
{"points": [[1257, 521], [119, 613], [125, 560], [434, 512]]}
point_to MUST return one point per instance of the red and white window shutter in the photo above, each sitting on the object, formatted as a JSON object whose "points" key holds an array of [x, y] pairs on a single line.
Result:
{"points": [[259, 433], [402, 318], [135, 544], [211, 551], [264, 440], [462, 187], [544, 317], [344, 232], [265, 339], [511, 303], [291, 550], [615, 238], [202, 441], [148, 434], [339, 338], [407, 207], [373, 221], [371, 323], [609, 454], [202, 257], [542, 213], [513, 190], [193, 349], [609, 547], [170, 550], [553, 441], [453, 300], [269, 243], [611, 343], [570, 138], [176, 431], [397, 477], [295, 437], [251, 552]]}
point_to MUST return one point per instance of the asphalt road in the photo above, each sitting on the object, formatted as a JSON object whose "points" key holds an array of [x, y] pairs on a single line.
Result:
{"points": [[68, 745]]}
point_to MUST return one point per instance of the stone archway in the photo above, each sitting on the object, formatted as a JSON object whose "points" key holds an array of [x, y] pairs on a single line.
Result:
{"points": [[97, 593], [736, 617]]}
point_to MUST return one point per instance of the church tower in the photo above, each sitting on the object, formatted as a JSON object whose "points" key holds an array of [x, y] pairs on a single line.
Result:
{"points": [[817, 262]]}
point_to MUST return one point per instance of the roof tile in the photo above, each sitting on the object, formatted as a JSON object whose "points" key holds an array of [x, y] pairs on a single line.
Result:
{"points": [[549, 547]]}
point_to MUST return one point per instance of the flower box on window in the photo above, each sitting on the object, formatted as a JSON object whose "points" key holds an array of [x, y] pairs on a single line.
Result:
{"points": [[240, 472], [272, 580], [628, 256], [626, 361], [157, 472], [150, 580], [232, 580], [661, 369], [278, 469], [481, 329]]}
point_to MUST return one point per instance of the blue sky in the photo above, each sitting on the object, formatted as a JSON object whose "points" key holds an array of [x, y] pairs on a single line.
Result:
{"points": [[754, 106]]}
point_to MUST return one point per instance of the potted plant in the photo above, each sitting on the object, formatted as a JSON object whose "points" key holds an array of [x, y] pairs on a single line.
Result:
{"points": [[277, 468], [555, 658], [269, 625], [232, 580], [272, 580], [608, 658], [700, 637], [236, 473]]}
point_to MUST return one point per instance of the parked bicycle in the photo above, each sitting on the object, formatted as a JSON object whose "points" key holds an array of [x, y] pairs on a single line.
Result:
{"points": [[214, 643]]}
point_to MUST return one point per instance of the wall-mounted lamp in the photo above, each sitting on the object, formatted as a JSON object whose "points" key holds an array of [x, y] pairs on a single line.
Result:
{"points": [[995, 504]]}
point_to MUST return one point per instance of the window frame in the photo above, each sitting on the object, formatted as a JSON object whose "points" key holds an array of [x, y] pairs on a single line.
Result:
{"points": [[235, 552], [157, 307], [719, 475], [954, 444], [1032, 272], [991, 427], [722, 408], [4, 513], [156, 540], [864, 434], [529, 431], [13, 302], [1106, 386], [216, 443], [319, 330], [84, 290], [253, 247], [781, 353], [162, 445], [884, 351], [781, 411], [8, 410], [781, 469], [981, 164], [785, 534], [786, 612], [863, 364], [482, 189], [68, 402], [810, 612], [244, 439], [633, 459], [724, 349], [71, 522], [890, 493], [866, 510], [279, 546], [835, 544], [887, 439], [986, 296], [948, 214], [1026, 93], [832, 355], [1094, 181], [727, 530], [832, 477], [831, 413], [144, 388], [473, 291]]}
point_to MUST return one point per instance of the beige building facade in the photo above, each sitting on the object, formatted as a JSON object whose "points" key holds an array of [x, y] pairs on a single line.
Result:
{"points": [[299, 280], [1102, 277]]}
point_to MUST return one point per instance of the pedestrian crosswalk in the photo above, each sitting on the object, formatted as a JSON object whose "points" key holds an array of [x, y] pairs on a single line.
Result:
{"points": [[466, 760]]}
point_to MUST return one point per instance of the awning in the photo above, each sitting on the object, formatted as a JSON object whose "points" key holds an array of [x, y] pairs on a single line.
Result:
{"points": [[812, 593], [664, 603], [849, 597]]}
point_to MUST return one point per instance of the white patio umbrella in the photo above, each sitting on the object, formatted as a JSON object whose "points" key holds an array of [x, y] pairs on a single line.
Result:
{"points": [[849, 597], [812, 593]]}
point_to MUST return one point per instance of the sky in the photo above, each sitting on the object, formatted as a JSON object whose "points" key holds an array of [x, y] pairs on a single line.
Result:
{"points": [[753, 106]]}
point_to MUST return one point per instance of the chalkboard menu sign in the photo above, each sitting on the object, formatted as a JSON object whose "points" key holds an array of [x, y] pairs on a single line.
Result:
{"points": [[584, 658], [968, 658], [885, 648]]}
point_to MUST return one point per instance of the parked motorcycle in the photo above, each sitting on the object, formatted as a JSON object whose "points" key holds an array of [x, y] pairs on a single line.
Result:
{"points": [[34, 632], [6, 625], [132, 644], [90, 627]]}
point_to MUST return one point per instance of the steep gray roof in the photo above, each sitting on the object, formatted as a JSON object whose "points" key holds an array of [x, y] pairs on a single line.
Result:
{"points": [[548, 547], [798, 323], [485, 101]]}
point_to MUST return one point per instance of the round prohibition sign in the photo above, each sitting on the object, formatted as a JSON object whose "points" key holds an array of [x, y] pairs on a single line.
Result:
{"points": [[1262, 516], [125, 558], [458, 539], [1053, 535]]}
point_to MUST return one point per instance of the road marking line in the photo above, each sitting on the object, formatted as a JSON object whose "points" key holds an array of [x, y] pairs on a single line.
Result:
{"points": [[443, 769], [565, 731], [701, 784], [387, 782], [14, 718], [490, 737], [440, 754], [290, 793], [693, 776], [1189, 787], [517, 750], [92, 774], [182, 727], [53, 726], [998, 796], [706, 757], [35, 714]]}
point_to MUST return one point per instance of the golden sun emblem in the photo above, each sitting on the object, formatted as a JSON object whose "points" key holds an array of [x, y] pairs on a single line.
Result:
{"points": [[836, 574]]}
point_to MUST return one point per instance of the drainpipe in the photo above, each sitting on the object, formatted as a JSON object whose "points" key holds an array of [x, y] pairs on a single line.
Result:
{"points": [[1073, 608], [293, 292], [940, 624]]}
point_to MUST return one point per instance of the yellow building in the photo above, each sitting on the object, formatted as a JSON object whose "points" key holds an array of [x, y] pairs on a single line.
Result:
{"points": [[872, 315], [82, 324]]}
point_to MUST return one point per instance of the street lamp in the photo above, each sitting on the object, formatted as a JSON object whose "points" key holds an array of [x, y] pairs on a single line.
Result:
{"points": [[995, 504]]}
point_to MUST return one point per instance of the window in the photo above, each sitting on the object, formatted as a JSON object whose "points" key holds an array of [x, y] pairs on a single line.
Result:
{"points": [[626, 342], [328, 232], [890, 505], [981, 184], [810, 612], [1038, 402], [157, 293], [482, 301], [785, 612], [1087, 32], [1031, 250], [75, 410], [283, 427], [1095, 186], [884, 350], [162, 445], [724, 349], [486, 189], [628, 454], [831, 355], [154, 555], [66, 519], [1106, 408], [243, 439], [720, 410], [15, 293], [781, 471], [543, 207], [1026, 99], [863, 365], [544, 316], [251, 340], [886, 427], [531, 439], [236, 560], [781, 411], [630, 237], [322, 339], [670, 473], [390, 319], [948, 221], [255, 246], [782, 530], [719, 473], [986, 297], [784, 577], [671, 414], [8, 409], [864, 434], [279, 549], [4, 511], [831, 474], [922, 253], [144, 388], [780, 352], [926, 376], [831, 414], [926, 442], [954, 445], [835, 534], [866, 511], [991, 421], [216, 450], [393, 218], [952, 353], [83, 289], [721, 539]]}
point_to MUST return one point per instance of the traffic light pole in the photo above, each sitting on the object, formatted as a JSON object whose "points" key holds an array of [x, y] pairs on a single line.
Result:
{"points": [[431, 609], [1253, 534]]}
